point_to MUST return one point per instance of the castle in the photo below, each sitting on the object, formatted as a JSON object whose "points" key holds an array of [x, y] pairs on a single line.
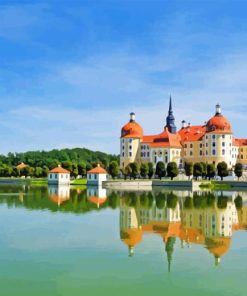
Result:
{"points": [[212, 142]]}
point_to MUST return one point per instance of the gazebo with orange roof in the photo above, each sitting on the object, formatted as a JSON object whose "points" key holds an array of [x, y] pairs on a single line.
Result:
{"points": [[59, 176], [96, 176]]}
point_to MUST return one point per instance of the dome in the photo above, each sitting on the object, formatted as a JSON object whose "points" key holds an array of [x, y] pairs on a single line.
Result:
{"points": [[132, 129], [218, 123]]}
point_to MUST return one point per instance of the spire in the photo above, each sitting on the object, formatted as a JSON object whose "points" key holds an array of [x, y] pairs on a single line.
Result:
{"points": [[170, 119], [218, 110], [170, 105]]}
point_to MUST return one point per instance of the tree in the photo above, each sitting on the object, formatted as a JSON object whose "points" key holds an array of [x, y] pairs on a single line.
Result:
{"points": [[222, 170], [160, 169], [114, 169], [135, 170], [197, 170], [74, 171], [67, 165], [150, 170], [210, 171], [172, 200], [172, 170], [188, 168], [144, 170], [127, 171], [238, 170], [38, 172], [238, 202], [82, 169], [204, 169]]}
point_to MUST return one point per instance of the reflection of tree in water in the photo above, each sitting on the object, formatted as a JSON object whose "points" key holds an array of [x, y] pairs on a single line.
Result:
{"points": [[238, 202], [188, 202], [199, 201], [222, 202], [160, 199], [169, 250], [113, 200], [172, 200]]}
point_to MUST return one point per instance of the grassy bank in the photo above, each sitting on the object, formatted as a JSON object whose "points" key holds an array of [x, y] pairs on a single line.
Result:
{"points": [[79, 182]]}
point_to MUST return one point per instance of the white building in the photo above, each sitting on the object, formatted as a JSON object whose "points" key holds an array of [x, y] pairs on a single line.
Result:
{"points": [[59, 176], [96, 195], [96, 176]]}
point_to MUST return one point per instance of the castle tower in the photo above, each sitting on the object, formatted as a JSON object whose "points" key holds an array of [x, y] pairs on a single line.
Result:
{"points": [[170, 119]]}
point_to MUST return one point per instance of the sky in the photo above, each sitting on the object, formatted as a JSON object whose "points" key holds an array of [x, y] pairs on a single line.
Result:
{"points": [[72, 71]]}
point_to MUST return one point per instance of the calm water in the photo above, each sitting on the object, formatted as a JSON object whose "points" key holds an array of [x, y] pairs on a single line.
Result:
{"points": [[85, 242]]}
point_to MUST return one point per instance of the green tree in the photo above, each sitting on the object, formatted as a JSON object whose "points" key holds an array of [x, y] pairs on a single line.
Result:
{"points": [[135, 170], [45, 171], [204, 169], [210, 171], [238, 170], [114, 169], [188, 168], [160, 169], [222, 170], [172, 170], [144, 170], [127, 171], [82, 169], [150, 170], [38, 172], [67, 165], [197, 170]]}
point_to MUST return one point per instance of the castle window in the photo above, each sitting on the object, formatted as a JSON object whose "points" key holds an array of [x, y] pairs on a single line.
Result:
{"points": [[191, 153], [213, 136], [200, 152], [130, 147], [185, 145], [123, 154], [191, 145], [123, 148], [242, 157], [223, 151], [206, 144], [144, 154], [130, 140], [213, 152], [213, 144], [206, 152], [130, 153], [200, 145], [223, 144]]}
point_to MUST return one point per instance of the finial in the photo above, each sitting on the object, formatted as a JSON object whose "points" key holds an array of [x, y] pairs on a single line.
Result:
{"points": [[132, 116], [183, 123], [218, 109]]}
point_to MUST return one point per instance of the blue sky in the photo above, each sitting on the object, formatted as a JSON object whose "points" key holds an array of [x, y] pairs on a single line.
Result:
{"points": [[71, 71]]}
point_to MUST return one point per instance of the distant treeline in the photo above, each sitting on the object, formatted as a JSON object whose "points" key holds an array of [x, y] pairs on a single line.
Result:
{"points": [[77, 160]]}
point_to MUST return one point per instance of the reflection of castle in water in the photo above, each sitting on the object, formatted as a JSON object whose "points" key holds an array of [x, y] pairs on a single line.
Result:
{"points": [[208, 220]]}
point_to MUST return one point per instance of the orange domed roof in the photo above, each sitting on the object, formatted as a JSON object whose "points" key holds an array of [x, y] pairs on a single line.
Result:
{"points": [[132, 130], [218, 123]]}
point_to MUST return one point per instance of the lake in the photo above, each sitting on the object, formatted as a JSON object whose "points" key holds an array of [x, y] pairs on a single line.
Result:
{"points": [[72, 241]]}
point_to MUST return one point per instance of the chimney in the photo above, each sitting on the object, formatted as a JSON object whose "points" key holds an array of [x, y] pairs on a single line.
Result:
{"points": [[183, 124]]}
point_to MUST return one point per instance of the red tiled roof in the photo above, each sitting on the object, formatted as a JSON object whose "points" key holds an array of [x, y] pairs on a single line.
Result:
{"points": [[59, 170], [240, 142], [165, 139], [192, 133], [97, 170]]}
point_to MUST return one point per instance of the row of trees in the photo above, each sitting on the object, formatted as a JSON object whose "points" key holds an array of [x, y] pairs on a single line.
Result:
{"points": [[209, 171], [199, 169]]}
